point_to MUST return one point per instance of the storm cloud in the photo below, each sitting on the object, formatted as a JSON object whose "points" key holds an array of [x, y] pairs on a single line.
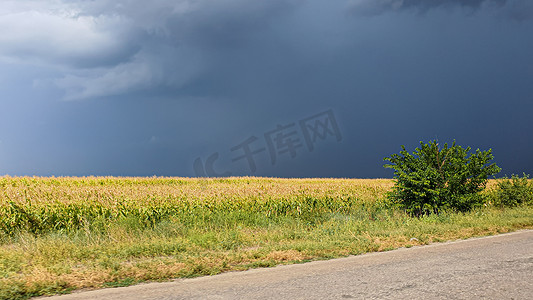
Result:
{"points": [[514, 9], [129, 87], [110, 48]]}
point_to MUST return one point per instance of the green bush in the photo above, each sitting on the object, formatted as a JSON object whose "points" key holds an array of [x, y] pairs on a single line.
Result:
{"points": [[433, 179], [513, 192]]}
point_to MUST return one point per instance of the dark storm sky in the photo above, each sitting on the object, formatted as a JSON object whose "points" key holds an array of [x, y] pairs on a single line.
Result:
{"points": [[137, 88]]}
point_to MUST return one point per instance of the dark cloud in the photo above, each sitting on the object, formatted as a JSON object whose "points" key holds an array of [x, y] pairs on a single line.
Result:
{"points": [[226, 23], [519, 10], [515, 9], [166, 43], [164, 84], [375, 7]]}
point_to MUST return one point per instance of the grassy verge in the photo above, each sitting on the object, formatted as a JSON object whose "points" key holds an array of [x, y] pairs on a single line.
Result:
{"points": [[116, 232]]}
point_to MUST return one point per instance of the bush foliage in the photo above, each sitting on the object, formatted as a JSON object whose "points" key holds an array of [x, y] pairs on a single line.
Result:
{"points": [[435, 178], [513, 192]]}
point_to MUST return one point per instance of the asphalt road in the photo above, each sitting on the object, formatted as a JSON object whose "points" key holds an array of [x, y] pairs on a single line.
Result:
{"points": [[496, 267]]}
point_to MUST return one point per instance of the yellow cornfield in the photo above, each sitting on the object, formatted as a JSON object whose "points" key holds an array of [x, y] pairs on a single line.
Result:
{"points": [[43, 204]]}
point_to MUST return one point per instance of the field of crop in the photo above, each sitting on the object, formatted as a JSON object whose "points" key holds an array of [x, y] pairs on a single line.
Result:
{"points": [[60, 234], [40, 205]]}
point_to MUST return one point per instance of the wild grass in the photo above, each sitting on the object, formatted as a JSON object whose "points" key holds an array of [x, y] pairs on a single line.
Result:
{"points": [[60, 234]]}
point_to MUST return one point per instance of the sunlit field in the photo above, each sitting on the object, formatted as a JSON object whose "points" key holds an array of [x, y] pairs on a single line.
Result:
{"points": [[40, 205], [60, 234]]}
